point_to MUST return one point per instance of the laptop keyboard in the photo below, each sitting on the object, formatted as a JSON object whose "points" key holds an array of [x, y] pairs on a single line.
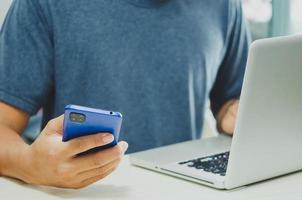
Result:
{"points": [[216, 164]]}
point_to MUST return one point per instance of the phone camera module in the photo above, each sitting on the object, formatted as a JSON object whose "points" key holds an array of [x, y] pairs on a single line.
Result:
{"points": [[77, 117]]}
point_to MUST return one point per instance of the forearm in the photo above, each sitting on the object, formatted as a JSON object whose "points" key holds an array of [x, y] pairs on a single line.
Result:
{"points": [[12, 151]]}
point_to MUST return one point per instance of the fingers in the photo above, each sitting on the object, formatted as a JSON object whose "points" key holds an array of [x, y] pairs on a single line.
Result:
{"points": [[99, 171], [87, 177], [84, 143], [55, 125], [89, 181], [99, 159]]}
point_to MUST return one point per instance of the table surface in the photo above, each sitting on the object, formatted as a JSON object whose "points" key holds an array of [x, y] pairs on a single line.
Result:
{"points": [[130, 182]]}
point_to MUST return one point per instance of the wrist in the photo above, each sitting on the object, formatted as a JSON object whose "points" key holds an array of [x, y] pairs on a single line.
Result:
{"points": [[17, 164]]}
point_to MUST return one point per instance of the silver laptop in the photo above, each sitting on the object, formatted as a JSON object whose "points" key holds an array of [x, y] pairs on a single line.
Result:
{"points": [[267, 141]]}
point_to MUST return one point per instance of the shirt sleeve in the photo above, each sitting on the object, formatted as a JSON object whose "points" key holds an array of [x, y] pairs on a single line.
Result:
{"points": [[26, 57], [229, 78]]}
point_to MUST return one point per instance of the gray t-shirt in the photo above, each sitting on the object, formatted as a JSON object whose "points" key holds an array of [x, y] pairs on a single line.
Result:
{"points": [[155, 61]]}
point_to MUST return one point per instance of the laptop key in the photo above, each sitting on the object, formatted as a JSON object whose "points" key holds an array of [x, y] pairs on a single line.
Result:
{"points": [[216, 164]]}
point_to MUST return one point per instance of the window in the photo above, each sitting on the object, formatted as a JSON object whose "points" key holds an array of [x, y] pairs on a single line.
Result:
{"points": [[295, 16], [259, 15], [4, 5], [268, 18]]}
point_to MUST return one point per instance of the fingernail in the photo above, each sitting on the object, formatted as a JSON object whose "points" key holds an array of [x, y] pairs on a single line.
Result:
{"points": [[108, 138], [124, 146]]}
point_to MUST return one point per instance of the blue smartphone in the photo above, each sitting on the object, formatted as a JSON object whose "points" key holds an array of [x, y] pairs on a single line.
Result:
{"points": [[82, 121]]}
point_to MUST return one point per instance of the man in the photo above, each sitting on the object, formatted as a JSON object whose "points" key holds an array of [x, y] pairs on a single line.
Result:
{"points": [[156, 61]]}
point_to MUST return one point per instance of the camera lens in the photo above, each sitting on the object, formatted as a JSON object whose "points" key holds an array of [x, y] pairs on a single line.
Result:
{"points": [[77, 117]]}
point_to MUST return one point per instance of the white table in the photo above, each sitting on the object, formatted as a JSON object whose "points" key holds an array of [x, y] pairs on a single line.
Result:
{"points": [[130, 182]]}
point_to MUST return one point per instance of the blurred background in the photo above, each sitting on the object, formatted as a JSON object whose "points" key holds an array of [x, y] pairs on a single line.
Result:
{"points": [[269, 18], [266, 18]]}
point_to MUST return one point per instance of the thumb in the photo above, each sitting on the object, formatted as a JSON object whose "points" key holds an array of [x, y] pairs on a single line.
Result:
{"points": [[55, 126]]}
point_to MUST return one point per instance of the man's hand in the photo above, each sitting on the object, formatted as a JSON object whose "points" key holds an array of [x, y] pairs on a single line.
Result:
{"points": [[49, 161], [227, 116]]}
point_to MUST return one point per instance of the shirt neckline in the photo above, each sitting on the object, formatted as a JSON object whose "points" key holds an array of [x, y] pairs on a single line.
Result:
{"points": [[147, 3]]}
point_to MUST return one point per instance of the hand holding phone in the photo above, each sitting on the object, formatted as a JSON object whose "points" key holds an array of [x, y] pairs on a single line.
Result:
{"points": [[51, 162], [82, 121]]}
